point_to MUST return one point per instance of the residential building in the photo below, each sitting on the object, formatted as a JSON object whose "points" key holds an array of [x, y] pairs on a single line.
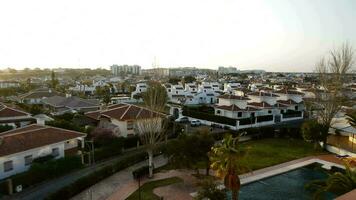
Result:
{"points": [[125, 69], [36, 97], [9, 84], [14, 117], [59, 105], [227, 70], [121, 118], [19, 147]]}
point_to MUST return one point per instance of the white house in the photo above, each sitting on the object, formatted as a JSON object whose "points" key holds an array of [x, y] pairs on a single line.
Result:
{"points": [[121, 118], [140, 88], [9, 84], [20, 146], [14, 117]]}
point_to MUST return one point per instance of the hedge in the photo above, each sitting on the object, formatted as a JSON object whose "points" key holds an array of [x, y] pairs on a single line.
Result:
{"points": [[140, 172], [40, 172], [81, 184], [248, 120], [209, 117], [264, 118]]}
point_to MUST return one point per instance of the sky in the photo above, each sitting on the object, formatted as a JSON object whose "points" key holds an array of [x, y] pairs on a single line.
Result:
{"points": [[274, 35]]}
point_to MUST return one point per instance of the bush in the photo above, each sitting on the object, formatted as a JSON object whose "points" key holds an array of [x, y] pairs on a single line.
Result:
{"points": [[40, 172], [208, 117], [264, 118], [61, 123], [43, 159], [81, 184], [248, 120], [140, 172], [4, 128], [131, 141]]}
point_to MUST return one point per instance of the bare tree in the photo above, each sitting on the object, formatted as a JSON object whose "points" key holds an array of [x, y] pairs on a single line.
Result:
{"points": [[332, 73], [152, 130]]}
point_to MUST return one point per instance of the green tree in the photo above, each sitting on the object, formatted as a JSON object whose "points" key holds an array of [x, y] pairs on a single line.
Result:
{"points": [[54, 81], [311, 132], [174, 80], [189, 79], [188, 150], [228, 160]]}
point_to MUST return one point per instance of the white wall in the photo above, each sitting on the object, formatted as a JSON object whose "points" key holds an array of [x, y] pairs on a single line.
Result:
{"points": [[18, 159]]}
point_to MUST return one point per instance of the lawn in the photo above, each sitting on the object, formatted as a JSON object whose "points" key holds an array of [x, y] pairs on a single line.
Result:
{"points": [[147, 188], [272, 151], [268, 152]]}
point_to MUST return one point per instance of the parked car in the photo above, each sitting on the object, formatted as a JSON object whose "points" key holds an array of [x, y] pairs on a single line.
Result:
{"points": [[195, 123], [182, 119]]}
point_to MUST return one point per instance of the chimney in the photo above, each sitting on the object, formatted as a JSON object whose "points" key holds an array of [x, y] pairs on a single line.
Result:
{"points": [[40, 121]]}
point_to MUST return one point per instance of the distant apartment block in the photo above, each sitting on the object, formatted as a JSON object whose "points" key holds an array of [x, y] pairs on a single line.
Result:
{"points": [[125, 69], [227, 70], [9, 84]]}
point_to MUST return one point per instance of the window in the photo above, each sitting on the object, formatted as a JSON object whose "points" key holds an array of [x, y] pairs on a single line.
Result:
{"points": [[239, 114], [28, 160], [269, 111], [8, 166], [130, 125], [55, 152], [176, 92], [296, 107], [169, 90], [218, 112]]}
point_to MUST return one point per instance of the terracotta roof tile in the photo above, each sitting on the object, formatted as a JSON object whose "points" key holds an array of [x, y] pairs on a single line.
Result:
{"points": [[33, 136], [6, 111], [226, 96]]}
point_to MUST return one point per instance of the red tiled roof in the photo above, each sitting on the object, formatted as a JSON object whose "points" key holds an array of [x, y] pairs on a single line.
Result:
{"points": [[33, 136], [6, 111], [262, 94], [287, 102], [124, 112], [260, 104], [226, 96], [232, 107], [95, 114]]}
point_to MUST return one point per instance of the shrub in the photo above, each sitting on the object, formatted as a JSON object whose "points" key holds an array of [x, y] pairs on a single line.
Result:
{"points": [[81, 184], [131, 141], [140, 172], [4, 128], [40, 172], [43, 159], [208, 117]]}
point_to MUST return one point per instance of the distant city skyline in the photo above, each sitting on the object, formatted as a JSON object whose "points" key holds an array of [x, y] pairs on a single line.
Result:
{"points": [[271, 35]]}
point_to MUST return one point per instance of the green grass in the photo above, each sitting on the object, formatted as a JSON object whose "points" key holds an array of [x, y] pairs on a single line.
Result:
{"points": [[147, 188], [268, 152]]}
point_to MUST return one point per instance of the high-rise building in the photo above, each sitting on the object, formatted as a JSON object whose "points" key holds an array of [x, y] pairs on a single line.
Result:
{"points": [[125, 69]]}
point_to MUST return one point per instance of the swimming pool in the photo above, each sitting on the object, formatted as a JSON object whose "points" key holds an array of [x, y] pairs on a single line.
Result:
{"points": [[288, 185]]}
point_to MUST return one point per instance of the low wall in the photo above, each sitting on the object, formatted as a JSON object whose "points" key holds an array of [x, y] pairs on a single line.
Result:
{"points": [[339, 151]]}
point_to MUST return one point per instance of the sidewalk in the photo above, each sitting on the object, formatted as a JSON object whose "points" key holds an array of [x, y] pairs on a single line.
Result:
{"points": [[42, 190], [121, 181]]}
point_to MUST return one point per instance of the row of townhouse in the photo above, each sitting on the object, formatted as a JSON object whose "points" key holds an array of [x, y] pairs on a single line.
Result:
{"points": [[259, 108], [192, 93]]}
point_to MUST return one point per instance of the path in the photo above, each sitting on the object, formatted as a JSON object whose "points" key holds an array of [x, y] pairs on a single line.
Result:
{"points": [[118, 181], [179, 191], [42, 190]]}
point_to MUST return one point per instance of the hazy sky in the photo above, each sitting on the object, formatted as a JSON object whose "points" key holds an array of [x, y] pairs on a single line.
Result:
{"points": [[275, 35]]}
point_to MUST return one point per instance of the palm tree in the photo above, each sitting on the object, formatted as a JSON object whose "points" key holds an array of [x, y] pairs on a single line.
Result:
{"points": [[227, 159], [337, 183], [352, 121]]}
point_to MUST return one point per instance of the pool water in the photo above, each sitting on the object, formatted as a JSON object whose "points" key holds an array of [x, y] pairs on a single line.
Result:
{"points": [[289, 185]]}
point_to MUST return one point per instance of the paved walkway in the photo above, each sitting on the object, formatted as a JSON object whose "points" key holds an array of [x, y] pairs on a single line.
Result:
{"points": [[42, 190], [117, 182], [179, 191]]}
